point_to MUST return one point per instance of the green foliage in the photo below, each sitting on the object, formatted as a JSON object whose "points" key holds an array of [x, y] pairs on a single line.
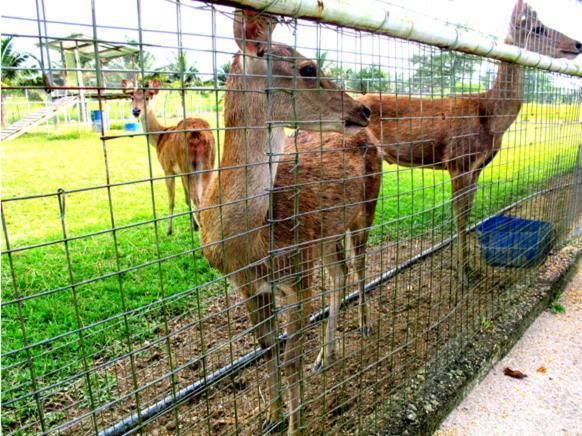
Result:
{"points": [[414, 201], [16, 67], [323, 63], [556, 306], [77, 161], [486, 323], [182, 71], [223, 73], [441, 72], [368, 79], [144, 60], [538, 87]]}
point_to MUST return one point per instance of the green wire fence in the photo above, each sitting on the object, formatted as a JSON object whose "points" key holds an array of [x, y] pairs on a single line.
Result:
{"points": [[352, 144]]}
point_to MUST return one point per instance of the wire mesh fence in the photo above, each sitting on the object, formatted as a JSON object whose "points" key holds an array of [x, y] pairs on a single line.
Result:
{"points": [[312, 262]]}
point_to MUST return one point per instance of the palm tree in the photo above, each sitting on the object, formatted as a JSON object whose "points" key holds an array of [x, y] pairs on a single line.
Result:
{"points": [[13, 69], [12, 62], [180, 69], [223, 73]]}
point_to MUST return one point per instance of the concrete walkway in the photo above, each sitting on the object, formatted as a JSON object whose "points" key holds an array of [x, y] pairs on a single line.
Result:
{"points": [[549, 400]]}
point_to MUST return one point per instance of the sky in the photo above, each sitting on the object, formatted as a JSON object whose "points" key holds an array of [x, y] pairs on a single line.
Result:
{"points": [[117, 20]]}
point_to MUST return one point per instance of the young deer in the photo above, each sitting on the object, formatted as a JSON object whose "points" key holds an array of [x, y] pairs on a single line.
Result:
{"points": [[463, 134], [312, 205], [182, 149]]}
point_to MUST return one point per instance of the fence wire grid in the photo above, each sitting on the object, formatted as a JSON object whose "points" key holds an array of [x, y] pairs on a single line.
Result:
{"points": [[322, 247]]}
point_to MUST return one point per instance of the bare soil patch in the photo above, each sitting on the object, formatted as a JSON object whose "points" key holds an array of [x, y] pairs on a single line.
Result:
{"points": [[413, 316]]}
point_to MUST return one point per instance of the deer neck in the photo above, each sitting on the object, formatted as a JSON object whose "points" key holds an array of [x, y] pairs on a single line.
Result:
{"points": [[241, 187], [150, 123], [505, 97]]}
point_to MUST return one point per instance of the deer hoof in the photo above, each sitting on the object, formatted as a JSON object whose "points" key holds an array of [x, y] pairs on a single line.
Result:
{"points": [[169, 231], [271, 427], [366, 331], [317, 367]]}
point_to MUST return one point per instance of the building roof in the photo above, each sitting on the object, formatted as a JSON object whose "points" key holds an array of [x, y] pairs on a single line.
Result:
{"points": [[86, 47]]}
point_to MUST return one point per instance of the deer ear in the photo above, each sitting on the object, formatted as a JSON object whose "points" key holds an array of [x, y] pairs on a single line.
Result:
{"points": [[153, 88], [523, 14], [256, 27], [127, 86]]}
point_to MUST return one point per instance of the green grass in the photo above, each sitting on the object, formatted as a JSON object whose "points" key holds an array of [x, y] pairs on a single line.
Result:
{"points": [[412, 202], [556, 305]]}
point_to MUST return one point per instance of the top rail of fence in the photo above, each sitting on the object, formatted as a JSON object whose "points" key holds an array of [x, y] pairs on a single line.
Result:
{"points": [[381, 18]]}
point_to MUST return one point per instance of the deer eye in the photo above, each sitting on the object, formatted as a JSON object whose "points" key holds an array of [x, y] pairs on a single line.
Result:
{"points": [[539, 30], [308, 70]]}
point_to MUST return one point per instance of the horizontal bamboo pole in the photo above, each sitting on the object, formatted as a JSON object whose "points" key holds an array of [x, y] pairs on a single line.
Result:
{"points": [[380, 18]]}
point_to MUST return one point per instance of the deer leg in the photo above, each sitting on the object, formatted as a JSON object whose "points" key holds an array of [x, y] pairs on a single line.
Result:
{"points": [[171, 185], [334, 263], [260, 308], [187, 182], [186, 190], [464, 188], [359, 240], [292, 356]]}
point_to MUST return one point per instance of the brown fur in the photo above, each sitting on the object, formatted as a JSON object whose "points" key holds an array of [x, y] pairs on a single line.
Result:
{"points": [[313, 205], [182, 149], [463, 134]]}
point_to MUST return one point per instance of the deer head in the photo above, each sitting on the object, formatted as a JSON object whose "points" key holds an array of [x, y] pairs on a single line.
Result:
{"points": [[139, 97], [527, 31], [301, 94]]}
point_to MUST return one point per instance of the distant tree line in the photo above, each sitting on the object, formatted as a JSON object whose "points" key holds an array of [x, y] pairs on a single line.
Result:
{"points": [[444, 73]]}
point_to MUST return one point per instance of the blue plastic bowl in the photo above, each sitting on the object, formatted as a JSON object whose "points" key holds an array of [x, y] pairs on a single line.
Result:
{"points": [[508, 241], [131, 127]]}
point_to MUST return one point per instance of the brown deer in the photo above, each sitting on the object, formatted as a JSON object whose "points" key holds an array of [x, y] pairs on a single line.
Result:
{"points": [[463, 134], [311, 205], [182, 149]]}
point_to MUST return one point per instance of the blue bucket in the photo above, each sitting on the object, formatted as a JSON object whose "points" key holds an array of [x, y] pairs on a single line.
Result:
{"points": [[131, 127], [517, 242], [100, 119]]}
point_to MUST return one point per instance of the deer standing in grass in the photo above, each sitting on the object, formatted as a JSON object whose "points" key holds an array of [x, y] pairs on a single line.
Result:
{"points": [[314, 200], [462, 134], [182, 150]]}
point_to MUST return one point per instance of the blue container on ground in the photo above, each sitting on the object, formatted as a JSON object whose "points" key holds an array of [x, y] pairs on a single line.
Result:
{"points": [[131, 127], [508, 241], [98, 119]]}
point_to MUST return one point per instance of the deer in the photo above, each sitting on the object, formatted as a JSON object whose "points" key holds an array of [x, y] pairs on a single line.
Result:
{"points": [[186, 149], [265, 222], [462, 135]]}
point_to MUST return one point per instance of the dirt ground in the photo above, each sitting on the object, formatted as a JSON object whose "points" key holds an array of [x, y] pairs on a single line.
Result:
{"points": [[413, 315], [549, 400]]}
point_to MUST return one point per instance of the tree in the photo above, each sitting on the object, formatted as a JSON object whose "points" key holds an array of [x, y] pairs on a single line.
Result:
{"points": [[181, 70], [142, 61], [15, 71], [12, 62], [538, 87], [441, 73], [323, 63], [223, 73], [369, 79]]}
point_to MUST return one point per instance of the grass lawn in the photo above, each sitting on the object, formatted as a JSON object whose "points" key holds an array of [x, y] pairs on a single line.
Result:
{"points": [[412, 202]]}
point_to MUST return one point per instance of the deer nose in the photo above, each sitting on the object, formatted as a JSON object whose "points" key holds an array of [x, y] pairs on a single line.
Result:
{"points": [[136, 111], [366, 112], [579, 46]]}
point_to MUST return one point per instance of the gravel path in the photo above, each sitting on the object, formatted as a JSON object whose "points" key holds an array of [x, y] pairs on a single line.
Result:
{"points": [[549, 400]]}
